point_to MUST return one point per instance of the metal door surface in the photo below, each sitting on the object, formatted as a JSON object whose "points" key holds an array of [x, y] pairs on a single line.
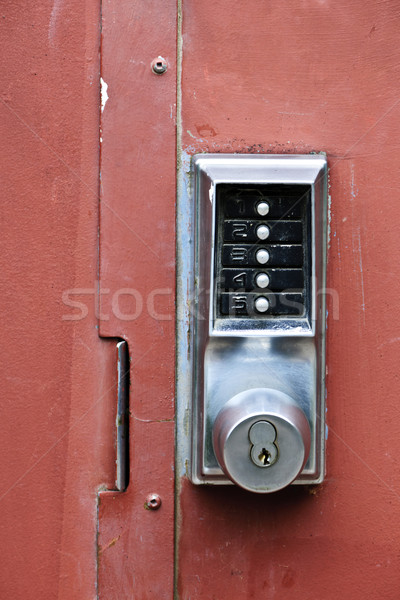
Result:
{"points": [[303, 77], [237, 77]]}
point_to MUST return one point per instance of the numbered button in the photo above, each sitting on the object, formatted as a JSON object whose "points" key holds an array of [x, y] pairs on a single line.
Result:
{"points": [[262, 232], [248, 231], [262, 208], [262, 280], [261, 304], [262, 256]]}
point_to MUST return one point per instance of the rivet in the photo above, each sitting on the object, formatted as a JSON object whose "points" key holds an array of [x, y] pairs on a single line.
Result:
{"points": [[153, 502], [159, 65]]}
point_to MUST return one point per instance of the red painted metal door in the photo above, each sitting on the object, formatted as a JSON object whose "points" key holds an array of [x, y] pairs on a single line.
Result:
{"points": [[303, 77], [241, 77]]}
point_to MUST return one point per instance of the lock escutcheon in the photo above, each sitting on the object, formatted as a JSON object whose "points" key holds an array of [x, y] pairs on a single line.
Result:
{"points": [[259, 233], [261, 439]]}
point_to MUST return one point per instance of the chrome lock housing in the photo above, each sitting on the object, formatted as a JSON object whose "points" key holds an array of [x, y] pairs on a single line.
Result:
{"points": [[258, 320]]}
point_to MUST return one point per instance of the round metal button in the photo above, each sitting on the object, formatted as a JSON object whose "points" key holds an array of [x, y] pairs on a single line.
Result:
{"points": [[262, 280], [262, 256], [262, 208], [261, 304], [262, 232]]}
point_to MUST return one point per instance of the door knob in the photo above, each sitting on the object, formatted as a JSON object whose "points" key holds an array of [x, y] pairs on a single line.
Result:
{"points": [[261, 439]]}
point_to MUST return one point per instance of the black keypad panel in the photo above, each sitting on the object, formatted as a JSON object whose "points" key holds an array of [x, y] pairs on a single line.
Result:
{"points": [[263, 250]]}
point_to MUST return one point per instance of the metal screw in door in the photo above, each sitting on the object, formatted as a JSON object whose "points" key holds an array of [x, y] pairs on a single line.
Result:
{"points": [[153, 502], [159, 65]]}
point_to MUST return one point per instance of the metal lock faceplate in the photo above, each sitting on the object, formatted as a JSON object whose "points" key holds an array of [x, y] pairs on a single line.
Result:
{"points": [[258, 310]]}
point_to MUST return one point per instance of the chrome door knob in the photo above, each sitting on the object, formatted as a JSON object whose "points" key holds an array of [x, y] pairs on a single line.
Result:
{"points": [[261, 439]]}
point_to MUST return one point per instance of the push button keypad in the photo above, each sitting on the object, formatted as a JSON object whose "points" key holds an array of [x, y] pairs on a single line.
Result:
{"points": [[263, 250]]}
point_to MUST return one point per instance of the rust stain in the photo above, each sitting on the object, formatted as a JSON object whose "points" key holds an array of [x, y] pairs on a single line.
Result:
{"points": [[111, 543], [206, 131], [314, 490]]}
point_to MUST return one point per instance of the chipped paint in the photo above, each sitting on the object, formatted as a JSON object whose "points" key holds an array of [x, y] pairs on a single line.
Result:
{"points": [[104, 94], [211, 192]]}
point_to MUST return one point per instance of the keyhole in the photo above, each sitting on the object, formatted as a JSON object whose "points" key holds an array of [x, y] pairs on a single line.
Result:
{"points": [[264, 457], [263, 450]]}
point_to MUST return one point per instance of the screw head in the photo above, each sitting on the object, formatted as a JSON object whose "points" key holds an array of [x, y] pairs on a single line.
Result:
{"points": [[153, 502], [159, 65]]}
